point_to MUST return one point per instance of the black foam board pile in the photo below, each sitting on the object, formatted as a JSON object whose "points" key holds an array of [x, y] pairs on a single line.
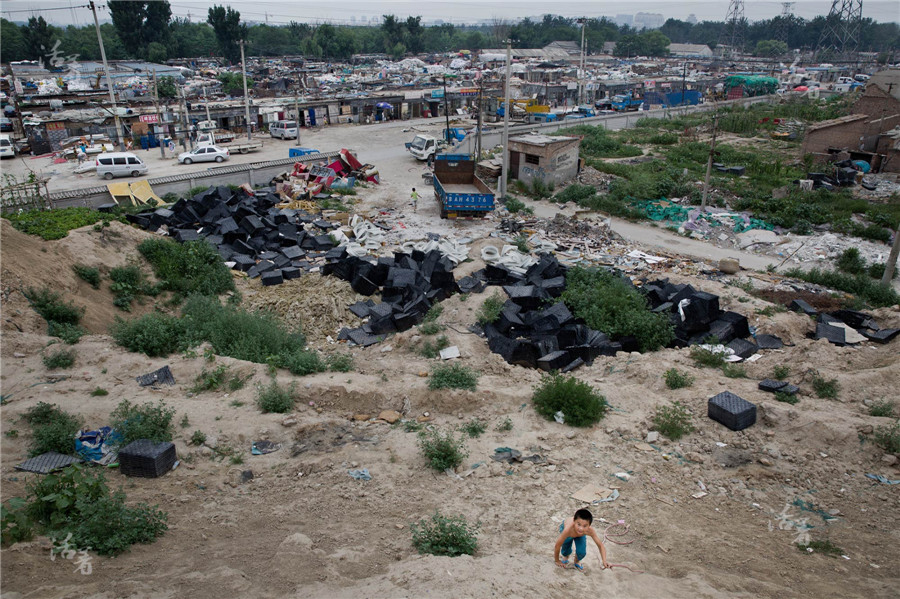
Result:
{"points": [[409, 285], [533, 332], [696, 317], [862, 323], [248, 230]]}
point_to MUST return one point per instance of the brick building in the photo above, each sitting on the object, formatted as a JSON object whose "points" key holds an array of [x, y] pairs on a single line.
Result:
{"points": [[549, 159], [864, 134]]}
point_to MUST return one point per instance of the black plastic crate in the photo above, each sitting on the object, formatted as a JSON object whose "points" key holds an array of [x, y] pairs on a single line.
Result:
{"points": [[146, 458], [734, 412]]}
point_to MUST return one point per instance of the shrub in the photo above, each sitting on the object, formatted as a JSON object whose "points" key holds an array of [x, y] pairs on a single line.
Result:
{"points": [[99, 392], [302, 362], [474, 428], [579, 403], [453, 376], [339, 362], [677, 380], [276, 399], [705, 357], [251, 336], [515, 205], [521, 243], [128, 282], [490, 309], [445, 535], [15, 525], [881, 409], [734, 371], [851, 262], [187, 268], [506, 425], [442, 450], [61, 358], [218, 378], [153, 334], [673, 421], [610, 304], [198, 438], [430, 328], [50, 305], [781, 372], [888, 437], [68, 333], [145, 421], [77, 501], [826, 389], [783, 397], [52, 429], [88, 274]]}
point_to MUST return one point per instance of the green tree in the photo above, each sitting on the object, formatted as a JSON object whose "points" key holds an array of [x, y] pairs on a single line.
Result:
{"points": [[628, 46], [191, 40], [165, 87], [140, 24], [226, 23], [413, 36], [398, 51], [655, 43], [770, 48], [38, 38], [233, 83], [157, 52], [14, 47], [392, 32]]}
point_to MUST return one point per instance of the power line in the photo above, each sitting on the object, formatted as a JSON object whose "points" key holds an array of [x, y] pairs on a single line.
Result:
{"points": [[34, 10]]}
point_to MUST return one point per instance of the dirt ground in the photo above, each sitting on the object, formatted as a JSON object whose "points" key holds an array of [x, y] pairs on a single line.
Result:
{"points": [[302, 527]]}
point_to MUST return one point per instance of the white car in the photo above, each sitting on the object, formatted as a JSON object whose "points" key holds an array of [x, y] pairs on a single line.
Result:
{"points": [[204, 154]]}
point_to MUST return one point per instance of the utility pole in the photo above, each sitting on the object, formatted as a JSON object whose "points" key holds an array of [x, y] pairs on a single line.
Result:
{"points": [[712, 150], [478, 139], [206, 104], [297, 111], [581, 71], [683, 75], [446, 113], [109, 85], [185, 119], [504, 174], [162, 145], [246, 97]]}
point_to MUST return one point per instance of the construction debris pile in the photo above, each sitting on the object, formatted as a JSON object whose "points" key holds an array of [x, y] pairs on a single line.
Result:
{"points": [[845, 327], [307, 182]]}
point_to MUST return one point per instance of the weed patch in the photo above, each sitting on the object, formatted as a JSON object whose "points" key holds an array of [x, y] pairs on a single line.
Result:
{"points": [[862, 286], [609, 304], [187, 268], [88, 274], [673, 421], [62, 317], [145, 421], [453, 376], [339, 362], [276, 399], [677, 380], [442, 450], [705, 357], [734, 371], [789, 398], [882, 409], [580, 404], [445, 535], [515, 206], [781, 372], [490, 309], [60, 358], [52, 429], [98, 392], [826, 547], [433, 350], [888, 437], [825, 388], [474, 428], [219, 378]]}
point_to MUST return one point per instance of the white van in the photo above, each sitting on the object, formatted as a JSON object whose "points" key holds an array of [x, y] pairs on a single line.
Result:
{"points": [[284, 129], [6, 147], [120, 164]]}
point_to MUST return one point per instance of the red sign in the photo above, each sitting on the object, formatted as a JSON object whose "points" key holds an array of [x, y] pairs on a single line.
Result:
{"points": [[468, 91], [149, 118]]}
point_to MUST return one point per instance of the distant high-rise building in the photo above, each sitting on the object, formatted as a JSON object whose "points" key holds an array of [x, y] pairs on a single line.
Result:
{"points": [[648, 20], [692, 19], [624, 20]]}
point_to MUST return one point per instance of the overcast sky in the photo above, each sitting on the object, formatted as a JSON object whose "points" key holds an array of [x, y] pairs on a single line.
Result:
{"points": [[66, 12]]}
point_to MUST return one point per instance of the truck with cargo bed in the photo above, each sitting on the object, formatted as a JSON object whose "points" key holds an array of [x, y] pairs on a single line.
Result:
{"points": [[458, 189], [235, 147]]}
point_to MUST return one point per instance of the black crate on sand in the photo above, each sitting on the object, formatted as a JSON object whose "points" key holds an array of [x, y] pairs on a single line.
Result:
{"points": [[734, 412], [146, 458]]}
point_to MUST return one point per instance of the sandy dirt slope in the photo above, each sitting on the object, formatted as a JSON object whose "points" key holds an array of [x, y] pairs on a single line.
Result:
{"points": [[302, 527]]}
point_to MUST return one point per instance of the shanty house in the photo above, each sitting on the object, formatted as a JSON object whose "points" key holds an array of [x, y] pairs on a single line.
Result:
{"points": [[548, 159]]}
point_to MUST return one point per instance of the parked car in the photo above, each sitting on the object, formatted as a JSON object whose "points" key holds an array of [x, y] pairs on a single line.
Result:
{"points": [[7, 150], [204, 154], [6, 124], [284, 129], [119, 164]]}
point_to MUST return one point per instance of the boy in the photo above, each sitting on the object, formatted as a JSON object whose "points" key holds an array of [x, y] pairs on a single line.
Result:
{"points": [[574, 530], [414, 196]]}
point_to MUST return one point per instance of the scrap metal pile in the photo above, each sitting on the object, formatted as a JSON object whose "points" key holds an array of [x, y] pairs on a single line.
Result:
{"points": [[307, 182]]}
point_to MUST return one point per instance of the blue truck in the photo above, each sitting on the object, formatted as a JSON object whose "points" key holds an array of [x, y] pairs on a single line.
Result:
{"points": [[459, 191], [626, 102]]}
